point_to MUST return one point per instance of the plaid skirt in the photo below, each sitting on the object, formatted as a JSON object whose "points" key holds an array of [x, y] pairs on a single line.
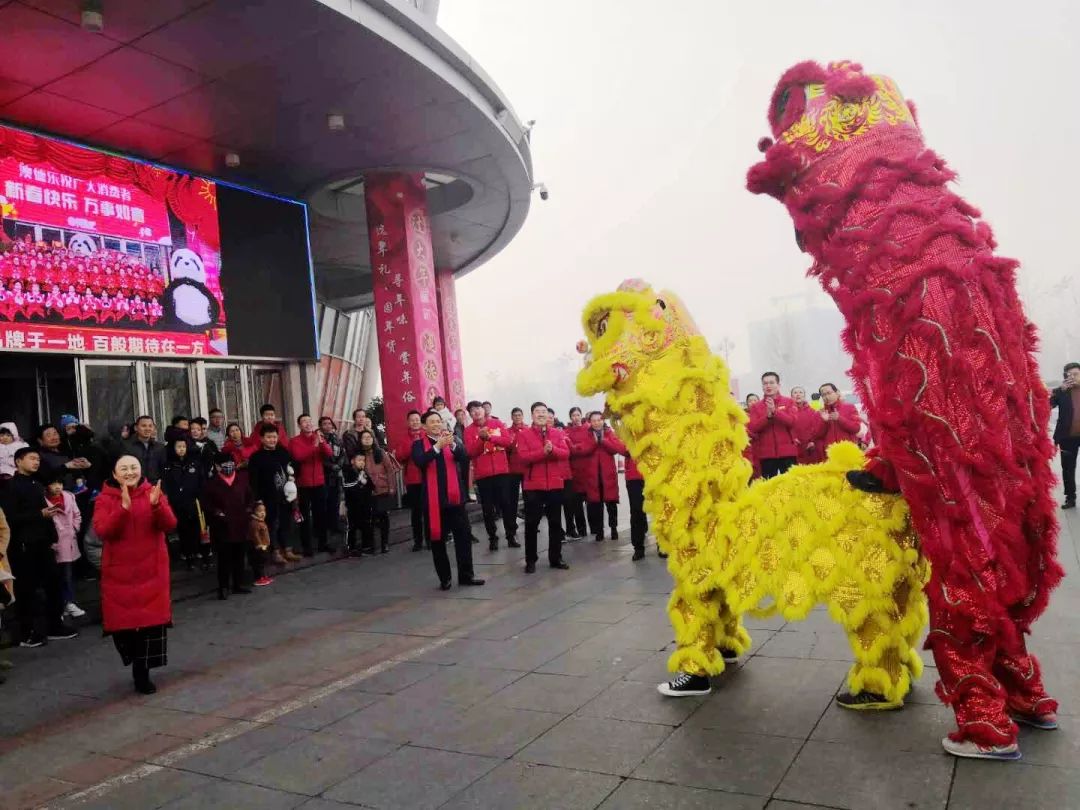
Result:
{"points": [[148, 645]]}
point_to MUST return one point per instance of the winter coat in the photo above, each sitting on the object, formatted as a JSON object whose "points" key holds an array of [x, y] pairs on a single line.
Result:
{"points": [[150, 455], [67, 525], [227, 508], [134, 559], [844, 429], [240, 453], [53, 464], [182, 480], [255, 440], [205, 451], [403, 454], [258, 533], [383, 474], [517, 466], [309, 453], [488, 455], [268, 470], [579, 465], [24, 499], [81, 444], [598, 459], [632, 472], [5, 567], [545, 471], [775, 437], [333, 465], [806, 425], [7, 451]]}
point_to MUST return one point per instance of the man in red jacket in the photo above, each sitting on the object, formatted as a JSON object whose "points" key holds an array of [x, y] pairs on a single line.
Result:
{"points": [[544, 450], [309, 449], [772, 428], [267, 416], [578, 433], [486, 442], [414, 482], [806, 425], [518, 468], [838, 421], [598, 449]]}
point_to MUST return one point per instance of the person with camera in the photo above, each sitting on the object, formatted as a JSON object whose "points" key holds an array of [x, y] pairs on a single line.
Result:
{"points": [[1066, 398]]}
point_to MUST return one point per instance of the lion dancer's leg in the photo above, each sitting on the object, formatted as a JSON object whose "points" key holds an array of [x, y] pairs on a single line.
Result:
{"points": [[703, 625], [1019, 672], [887, 661]]}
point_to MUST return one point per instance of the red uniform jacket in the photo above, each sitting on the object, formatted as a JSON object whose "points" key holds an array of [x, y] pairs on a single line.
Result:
{"points": [[545, 471], [579, 464], [806, 425], [489, 457], [134, 559], [517, 466], [632, 472], [309, 453], [844, 429], [601, 475], [773, 438], [255, 440], [403, 454]]}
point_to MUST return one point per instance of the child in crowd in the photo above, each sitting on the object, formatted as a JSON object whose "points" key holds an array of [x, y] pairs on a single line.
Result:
{"points": [[359, 496], [67, 520], [9, 445], [259, 535]]}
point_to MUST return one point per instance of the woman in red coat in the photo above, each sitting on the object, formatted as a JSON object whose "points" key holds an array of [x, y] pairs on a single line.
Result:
{"points": [[574, 498], [131, 518], [598, 449]]}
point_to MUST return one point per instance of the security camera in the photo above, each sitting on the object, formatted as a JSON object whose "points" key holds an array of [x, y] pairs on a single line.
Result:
{"points": [[542, 189]]}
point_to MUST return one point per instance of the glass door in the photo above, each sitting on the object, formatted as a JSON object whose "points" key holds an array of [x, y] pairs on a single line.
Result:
{"points": [[268, 386], [168, 392], [110, 392], [225, 391]]}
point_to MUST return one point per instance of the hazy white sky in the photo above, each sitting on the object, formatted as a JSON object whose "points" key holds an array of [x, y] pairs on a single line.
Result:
{"points": [[648, 114]]}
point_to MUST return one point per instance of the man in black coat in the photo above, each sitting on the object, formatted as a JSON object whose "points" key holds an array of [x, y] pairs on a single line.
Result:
{"points": [[1066, 398], [437, 454], [147, 449], [30, 552]]}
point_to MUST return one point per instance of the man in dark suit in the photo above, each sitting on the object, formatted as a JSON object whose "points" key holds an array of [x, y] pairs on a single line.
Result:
{"points": [[437, 454], [1066, 398]]}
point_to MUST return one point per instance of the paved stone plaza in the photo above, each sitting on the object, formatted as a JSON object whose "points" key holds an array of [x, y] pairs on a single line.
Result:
{"points": [[357, 683]]}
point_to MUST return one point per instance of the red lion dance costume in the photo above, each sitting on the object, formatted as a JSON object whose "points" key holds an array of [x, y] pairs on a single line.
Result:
{"points": [[943, 359]]}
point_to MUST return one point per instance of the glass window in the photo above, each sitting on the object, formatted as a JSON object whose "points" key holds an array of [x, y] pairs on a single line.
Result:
{"points": [[267, 386], [110, 394], [170, 394], [133, 248], [223, 391], [111, 244], [341, 334], [51, 235], [326, 330]]}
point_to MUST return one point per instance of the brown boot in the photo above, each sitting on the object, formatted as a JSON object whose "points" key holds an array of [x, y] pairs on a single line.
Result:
{"points": [[278, 558], [292, 556]]}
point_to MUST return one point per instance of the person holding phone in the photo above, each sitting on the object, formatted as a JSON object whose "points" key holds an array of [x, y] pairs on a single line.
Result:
{"points": [[1066, 398], [131, 517], [33, 562]]}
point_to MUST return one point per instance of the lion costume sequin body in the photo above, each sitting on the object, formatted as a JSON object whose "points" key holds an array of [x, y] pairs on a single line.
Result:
{"points": [[779, 546], [943, 362]]}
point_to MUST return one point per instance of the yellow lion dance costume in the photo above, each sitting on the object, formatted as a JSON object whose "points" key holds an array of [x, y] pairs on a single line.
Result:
{"points": [[778, 546]]}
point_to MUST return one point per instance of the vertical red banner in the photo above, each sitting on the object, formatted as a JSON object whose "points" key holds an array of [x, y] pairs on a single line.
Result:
{"points": [[406, 305], [451, 339]]}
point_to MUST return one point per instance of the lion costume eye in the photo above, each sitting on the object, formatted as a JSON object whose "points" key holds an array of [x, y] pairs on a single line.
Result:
{"points": [[601, 325]]}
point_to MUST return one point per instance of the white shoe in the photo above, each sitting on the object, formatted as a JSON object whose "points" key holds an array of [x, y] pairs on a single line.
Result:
{"points": [[972, 750], [73, 610]]}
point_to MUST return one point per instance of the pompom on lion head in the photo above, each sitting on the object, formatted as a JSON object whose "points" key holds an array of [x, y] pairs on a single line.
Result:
{"points": [[626, 330]]}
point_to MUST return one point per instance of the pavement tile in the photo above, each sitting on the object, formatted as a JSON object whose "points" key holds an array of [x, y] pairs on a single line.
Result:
{"points": [[561, 694], [245, 709], [524, 786], [641, 703], [149, 748], [35, 759], [916, 727], [1060, 747], [96, 768], [982, 785], [595, 663], [395, 678], [31, 794], [150, 792], [313, 763], [853, 776], [461, 685], [573, 632], [779, 696], [236, 796], [398, 718], [595, 744], [634, 794], [232, 755], [599, 611], [325, 804], [461, 651], [488, 730], [412, 779], [720, 760], [826, 645], [327, 710]]}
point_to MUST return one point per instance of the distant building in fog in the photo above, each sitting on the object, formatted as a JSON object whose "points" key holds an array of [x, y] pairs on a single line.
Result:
{"points": [[803, 346]]}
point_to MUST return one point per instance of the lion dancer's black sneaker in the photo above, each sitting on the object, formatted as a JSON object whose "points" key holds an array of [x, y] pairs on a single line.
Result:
{"points": [[685, 685], [867, 702]]}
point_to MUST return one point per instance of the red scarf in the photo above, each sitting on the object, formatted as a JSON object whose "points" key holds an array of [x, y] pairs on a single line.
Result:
{"points": [[453, 488]]}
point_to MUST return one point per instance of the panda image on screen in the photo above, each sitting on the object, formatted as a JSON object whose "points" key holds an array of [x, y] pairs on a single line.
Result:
{"points": [[188, 303], [82, 244]]}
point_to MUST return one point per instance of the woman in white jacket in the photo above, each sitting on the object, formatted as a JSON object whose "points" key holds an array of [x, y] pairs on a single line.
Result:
{"points": [[9, 443]]}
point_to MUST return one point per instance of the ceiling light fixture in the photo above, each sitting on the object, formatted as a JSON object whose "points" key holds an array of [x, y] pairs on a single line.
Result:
{"points": [[335, 122], [92, 16], [232, 160]]}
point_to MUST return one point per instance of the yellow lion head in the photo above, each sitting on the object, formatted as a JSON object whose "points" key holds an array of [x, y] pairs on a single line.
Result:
{"points": [[627, 329]]}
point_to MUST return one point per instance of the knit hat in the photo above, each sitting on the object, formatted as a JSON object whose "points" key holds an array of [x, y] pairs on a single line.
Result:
{"points": [[68, 419]]}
